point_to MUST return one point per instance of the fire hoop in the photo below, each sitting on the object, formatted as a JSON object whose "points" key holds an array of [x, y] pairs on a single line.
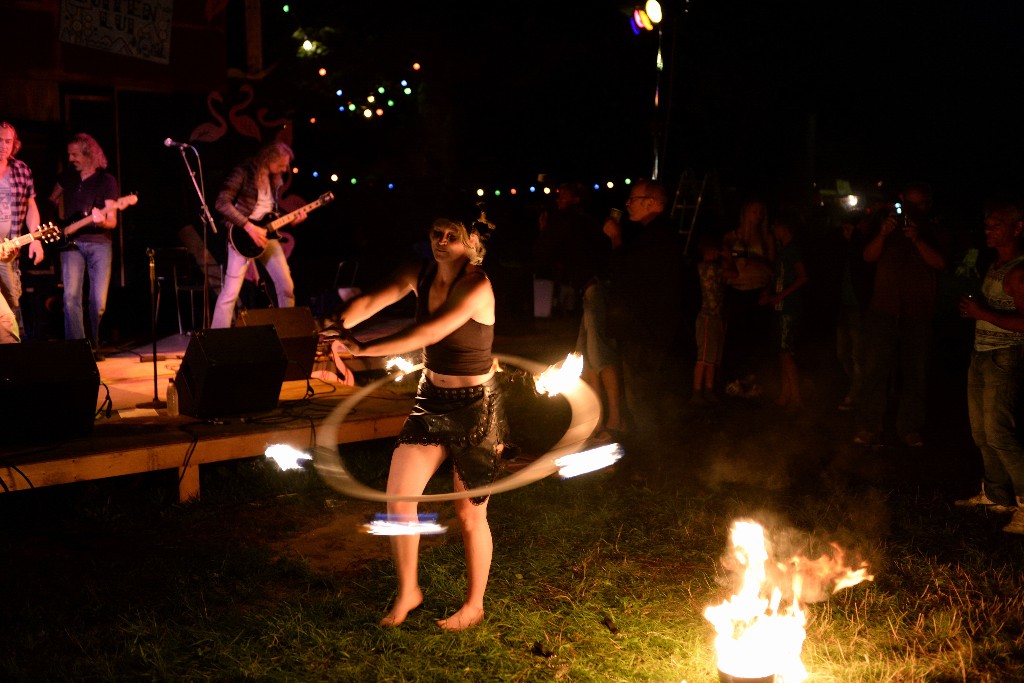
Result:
{"points": [[583, 403]]}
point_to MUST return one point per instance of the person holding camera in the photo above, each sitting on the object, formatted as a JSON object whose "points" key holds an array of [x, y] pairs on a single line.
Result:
{"points": [[908, 256]]}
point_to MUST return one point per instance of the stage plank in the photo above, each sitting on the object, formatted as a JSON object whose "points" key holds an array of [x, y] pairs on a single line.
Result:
{"points": [[156, 441]]}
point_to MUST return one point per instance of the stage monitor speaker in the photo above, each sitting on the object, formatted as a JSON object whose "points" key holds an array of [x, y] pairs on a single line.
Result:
{"points": [[232, 372], [298, 333], [48, 390]]}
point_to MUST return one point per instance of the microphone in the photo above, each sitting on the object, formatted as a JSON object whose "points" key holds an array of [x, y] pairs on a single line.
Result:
{"points": [[171, 143]]}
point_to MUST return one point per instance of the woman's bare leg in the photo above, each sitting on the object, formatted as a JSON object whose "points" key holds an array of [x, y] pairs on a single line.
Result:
{"points": [[476, 536], [412, 465]]}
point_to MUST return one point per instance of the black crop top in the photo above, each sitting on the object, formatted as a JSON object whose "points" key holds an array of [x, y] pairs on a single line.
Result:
{"points": [[467, 350]]}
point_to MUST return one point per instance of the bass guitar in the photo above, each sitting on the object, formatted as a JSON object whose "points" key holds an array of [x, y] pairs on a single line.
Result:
{"points": [[248, 248], [82, 224], [45, 233]]}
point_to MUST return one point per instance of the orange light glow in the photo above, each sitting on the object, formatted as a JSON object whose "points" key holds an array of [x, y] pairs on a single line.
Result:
{"points": [[760, 629]]}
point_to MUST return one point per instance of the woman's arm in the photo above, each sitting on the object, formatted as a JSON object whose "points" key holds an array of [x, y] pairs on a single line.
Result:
{"points": [[367, 305]]}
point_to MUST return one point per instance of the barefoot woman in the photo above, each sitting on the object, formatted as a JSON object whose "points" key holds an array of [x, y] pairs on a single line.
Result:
{"points": [[458, 411]]}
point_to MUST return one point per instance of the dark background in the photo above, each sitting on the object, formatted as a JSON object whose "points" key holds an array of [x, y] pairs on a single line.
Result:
{"points": [[777, 99]]}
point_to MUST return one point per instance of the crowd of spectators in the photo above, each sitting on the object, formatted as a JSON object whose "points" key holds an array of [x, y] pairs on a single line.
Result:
{"points": [[738, 313]]}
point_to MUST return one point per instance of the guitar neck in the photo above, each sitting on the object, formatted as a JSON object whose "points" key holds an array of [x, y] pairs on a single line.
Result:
{"points": [[20, 241], [289, 217], [81, 222]]}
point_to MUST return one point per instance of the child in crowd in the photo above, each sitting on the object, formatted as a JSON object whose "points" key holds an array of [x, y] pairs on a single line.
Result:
{"points": [[710, 320], [784, 298]]}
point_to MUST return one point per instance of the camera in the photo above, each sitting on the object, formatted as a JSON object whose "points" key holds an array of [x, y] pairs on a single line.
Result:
{"points": [[898, 214]]}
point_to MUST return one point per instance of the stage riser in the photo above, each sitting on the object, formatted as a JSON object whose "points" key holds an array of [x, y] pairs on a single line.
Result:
{"points": [[231, 373], [298, 333], [48, 389]]}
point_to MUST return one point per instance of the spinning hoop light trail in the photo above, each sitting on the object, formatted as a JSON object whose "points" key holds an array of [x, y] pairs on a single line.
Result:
{"points": [[583, 402]]}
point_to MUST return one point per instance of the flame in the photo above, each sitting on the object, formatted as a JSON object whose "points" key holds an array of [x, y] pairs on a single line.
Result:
{"points": [[760, 629], [396, 525], [589, 460], [286, 457], [404, 366], [558, 378]]}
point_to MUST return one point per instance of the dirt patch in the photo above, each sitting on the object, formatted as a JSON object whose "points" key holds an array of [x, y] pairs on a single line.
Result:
{"points": [[335, 542]]}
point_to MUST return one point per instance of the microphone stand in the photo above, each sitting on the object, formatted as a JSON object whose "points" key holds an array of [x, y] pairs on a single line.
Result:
{"points": [[156, 402], [208, 223]]}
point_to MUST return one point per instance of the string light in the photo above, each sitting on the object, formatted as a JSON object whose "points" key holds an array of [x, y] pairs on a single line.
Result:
{"points": [[372, 98], [514, 192]]}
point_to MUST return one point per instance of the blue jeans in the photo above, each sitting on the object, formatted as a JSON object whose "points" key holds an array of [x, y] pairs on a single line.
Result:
{"points": [[96, 258], [895, 343], [993, 390]]}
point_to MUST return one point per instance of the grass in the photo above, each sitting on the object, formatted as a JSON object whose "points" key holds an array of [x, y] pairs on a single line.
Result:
{"points": [[601, 578]]}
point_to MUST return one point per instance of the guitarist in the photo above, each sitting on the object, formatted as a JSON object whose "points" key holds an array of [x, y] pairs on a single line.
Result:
{"points": [[87, 189], [252, 191], [17, 209]]}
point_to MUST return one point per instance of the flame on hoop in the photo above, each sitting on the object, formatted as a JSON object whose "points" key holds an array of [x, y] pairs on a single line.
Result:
{"points": [[582, 462], [395, 525], [403, 365], [559, 378], [286, 457]]}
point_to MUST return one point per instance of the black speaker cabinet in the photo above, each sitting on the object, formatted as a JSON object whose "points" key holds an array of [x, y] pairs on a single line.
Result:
{"points": [[298, 333], [48, 390], [233, 372]]}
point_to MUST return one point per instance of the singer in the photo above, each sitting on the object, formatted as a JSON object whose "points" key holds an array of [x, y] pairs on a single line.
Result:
{"points": [[86, 188], [250, 193]]}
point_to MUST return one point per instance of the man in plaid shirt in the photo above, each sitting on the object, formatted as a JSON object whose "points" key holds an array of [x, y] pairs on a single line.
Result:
{"points": [[17, 208]]}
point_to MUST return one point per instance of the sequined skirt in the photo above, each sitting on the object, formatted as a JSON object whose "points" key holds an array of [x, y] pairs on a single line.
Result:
{"points": [[469, 422]]}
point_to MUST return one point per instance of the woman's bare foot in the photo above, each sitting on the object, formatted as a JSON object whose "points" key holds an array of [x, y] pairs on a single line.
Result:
{"points": [[463, 619], [400, 610]]}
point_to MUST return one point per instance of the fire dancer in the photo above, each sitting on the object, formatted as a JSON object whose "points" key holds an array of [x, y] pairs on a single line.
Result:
{"points": [[996, 373], [459, 410]]}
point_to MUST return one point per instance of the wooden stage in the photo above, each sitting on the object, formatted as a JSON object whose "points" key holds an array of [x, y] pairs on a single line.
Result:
{"points": [[132, 440]]}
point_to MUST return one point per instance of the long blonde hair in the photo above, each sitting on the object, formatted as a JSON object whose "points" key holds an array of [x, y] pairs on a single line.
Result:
{"points": [[91, 149]]}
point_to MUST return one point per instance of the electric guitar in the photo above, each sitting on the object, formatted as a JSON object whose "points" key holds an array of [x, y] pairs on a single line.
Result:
{"points": [[248, 248], [44, 233], [82, 224]]}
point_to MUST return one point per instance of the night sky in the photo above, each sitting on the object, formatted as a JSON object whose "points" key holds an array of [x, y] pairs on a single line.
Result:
{"points": [[772, 96]]}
